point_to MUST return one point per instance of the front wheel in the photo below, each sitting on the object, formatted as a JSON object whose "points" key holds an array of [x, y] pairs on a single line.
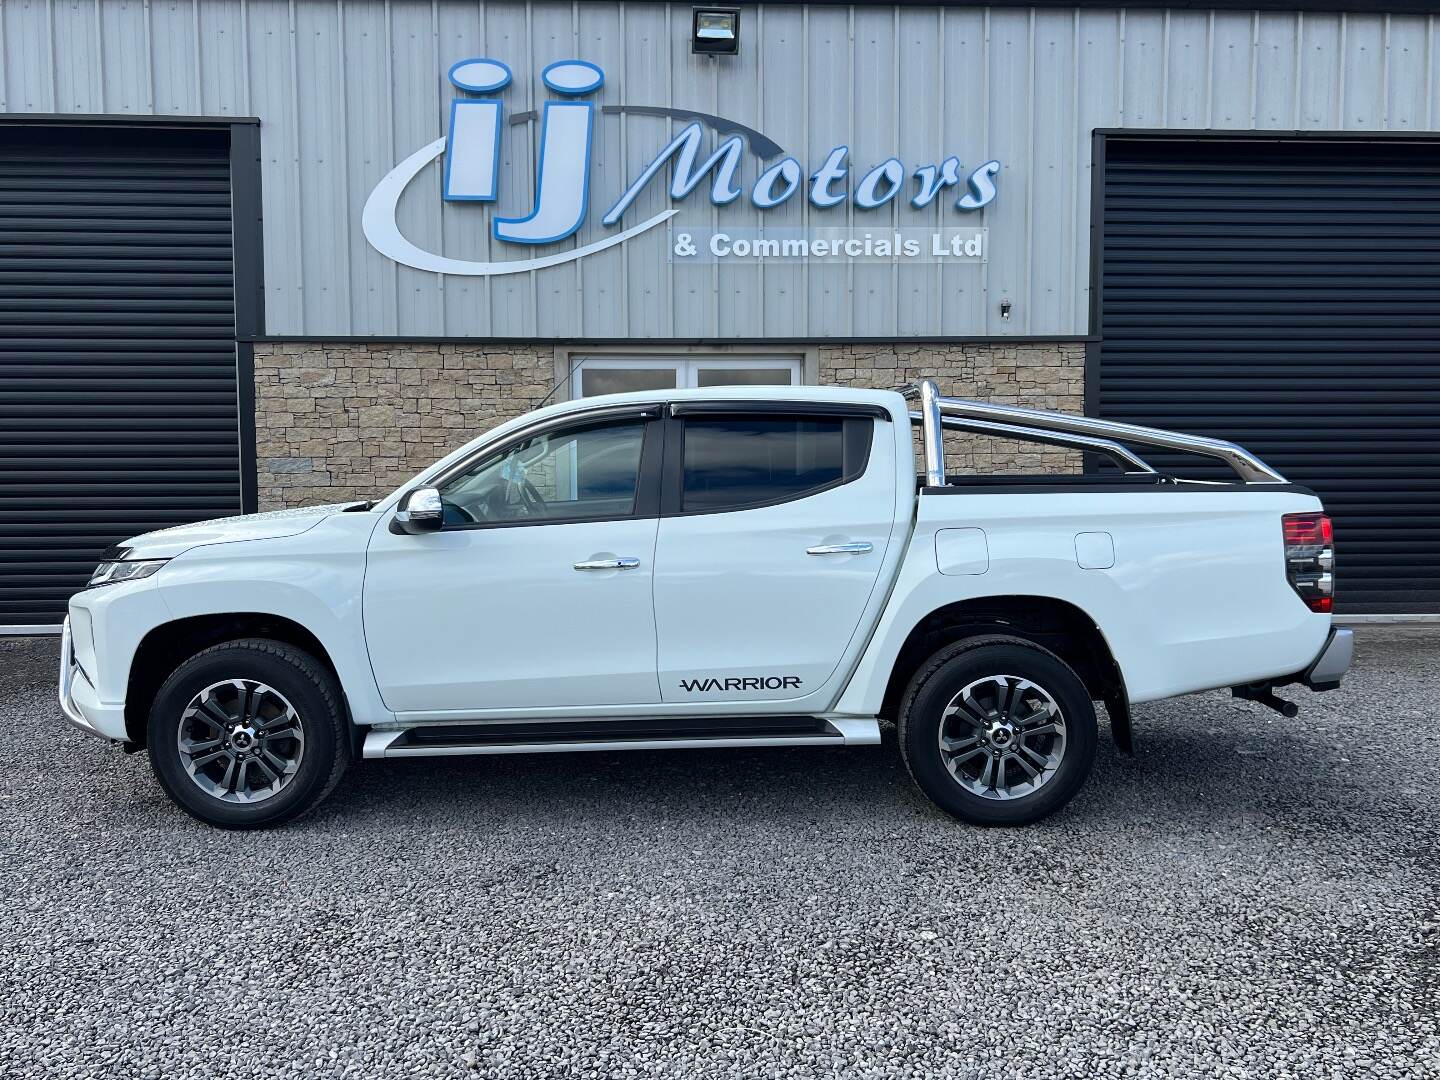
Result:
{"points": [[248, 734], [997, 731]]}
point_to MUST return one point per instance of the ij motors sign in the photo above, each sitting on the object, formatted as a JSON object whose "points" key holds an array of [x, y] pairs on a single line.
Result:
{"points": [[563, 186]]}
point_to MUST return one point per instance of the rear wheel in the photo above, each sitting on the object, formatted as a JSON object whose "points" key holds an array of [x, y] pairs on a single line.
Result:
{"points": [[997, 731], [248, 734]]}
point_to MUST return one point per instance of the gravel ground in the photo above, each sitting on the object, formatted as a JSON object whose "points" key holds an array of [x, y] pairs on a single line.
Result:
{"points": [[1248, 896]]}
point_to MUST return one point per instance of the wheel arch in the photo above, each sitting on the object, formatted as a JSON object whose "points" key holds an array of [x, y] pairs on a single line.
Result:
{"points": [[166, 646], [1047, 621]]}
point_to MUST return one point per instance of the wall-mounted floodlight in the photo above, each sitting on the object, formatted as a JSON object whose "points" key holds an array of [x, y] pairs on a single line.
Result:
{"points": [[715, 31]]}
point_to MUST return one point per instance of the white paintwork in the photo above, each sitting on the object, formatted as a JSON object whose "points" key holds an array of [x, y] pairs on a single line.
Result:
{"points": [[313, 578], [495, 624], [500, 618], [1095, 550], [275, 525], [736, 594], [1197, 598], [106, 627], [961, 552]]}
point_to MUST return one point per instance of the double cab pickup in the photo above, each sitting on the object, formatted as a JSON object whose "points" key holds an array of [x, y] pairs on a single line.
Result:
{"points": [[735, 566]]}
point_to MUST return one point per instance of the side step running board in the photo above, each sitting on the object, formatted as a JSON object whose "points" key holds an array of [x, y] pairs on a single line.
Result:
{"points": [[648, 733]]}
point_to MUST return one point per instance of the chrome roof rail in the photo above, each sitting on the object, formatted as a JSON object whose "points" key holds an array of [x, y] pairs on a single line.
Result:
{"points": [[934, 410]]}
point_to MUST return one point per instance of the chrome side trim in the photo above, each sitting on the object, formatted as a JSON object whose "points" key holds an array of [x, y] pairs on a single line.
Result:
{"points": [[29, 630], [1334, 660], [847, 732], [376, 743], [858, 731], [1127, 460], [681, 712], [385, 750], [933, 408]]}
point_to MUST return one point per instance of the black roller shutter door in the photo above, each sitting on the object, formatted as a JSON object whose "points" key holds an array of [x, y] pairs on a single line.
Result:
{"points": [[118, 402], [1285, 294]]}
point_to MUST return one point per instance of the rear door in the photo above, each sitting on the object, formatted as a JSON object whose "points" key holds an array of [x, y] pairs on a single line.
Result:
{"points": [[773, 532]]}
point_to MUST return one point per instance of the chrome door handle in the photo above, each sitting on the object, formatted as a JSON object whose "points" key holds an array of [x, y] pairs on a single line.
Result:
{"points": [[862, 548], [628, 562]]}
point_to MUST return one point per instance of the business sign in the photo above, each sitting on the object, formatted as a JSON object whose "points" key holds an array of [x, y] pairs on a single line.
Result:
{"points": [[828, 244], [562, 185]]}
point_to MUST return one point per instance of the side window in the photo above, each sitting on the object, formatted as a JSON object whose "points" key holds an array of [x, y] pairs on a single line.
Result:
{"points": [[743, 461], [588, 472]]}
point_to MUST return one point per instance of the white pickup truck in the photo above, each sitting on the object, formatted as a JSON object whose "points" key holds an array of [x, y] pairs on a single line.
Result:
{"points": [[755, 566]]}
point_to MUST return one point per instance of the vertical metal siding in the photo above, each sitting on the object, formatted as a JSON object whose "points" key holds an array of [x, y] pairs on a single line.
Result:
{"points": [[346, 87]]}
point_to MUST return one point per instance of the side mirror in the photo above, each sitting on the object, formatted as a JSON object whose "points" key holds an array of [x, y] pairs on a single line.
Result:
{"points": [[420, 511]]}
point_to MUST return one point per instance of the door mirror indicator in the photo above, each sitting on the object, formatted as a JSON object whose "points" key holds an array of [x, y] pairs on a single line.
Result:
{"points": [[420, 511]]}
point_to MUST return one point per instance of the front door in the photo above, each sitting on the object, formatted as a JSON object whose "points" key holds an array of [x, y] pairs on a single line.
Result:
{"points": [[774, 533], [537, 592]]}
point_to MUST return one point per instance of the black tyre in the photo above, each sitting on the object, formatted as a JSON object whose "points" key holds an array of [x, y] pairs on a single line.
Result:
{"points": [[249, 734], [997, 731]]}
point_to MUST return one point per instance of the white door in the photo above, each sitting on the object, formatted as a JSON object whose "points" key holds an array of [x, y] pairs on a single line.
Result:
{"points": [[537, 591], [774, 532]]}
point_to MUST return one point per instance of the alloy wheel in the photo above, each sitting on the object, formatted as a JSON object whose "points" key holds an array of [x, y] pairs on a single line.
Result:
{"points": [[1002, 737], [240, 741]]}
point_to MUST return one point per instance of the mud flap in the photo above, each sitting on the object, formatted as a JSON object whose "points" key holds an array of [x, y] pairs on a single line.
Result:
{"points": [[1118, 706]]}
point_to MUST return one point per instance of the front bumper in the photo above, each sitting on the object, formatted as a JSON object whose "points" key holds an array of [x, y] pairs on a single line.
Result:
{"points": [[78, 699], [1333, 662]]}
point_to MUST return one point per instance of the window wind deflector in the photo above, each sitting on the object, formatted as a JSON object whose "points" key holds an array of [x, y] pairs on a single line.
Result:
{"points": [[647, 410], [779, 409]]}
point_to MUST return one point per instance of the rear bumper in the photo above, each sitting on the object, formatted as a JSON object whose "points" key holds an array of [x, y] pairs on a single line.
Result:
{"points": [[1332, 663], [78, 699], [1324, 673]]}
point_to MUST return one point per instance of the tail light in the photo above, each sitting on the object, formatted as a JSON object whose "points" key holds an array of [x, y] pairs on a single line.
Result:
{"points": [[1310, 559]]}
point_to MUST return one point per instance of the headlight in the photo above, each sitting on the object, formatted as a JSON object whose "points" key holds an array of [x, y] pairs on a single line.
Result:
{"points": [[109, 572]]}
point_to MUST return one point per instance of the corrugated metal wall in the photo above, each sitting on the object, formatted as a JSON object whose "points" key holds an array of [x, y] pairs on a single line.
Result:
{"points": [[118, 405], [345, 89], [1235, 307]]}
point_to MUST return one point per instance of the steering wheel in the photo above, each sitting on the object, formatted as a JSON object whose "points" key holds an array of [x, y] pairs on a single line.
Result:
{"points": [[494, 506], [531, 500]]}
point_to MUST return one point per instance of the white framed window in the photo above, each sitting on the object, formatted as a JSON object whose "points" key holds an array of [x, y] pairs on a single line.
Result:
{"points": [[622, 374]]}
